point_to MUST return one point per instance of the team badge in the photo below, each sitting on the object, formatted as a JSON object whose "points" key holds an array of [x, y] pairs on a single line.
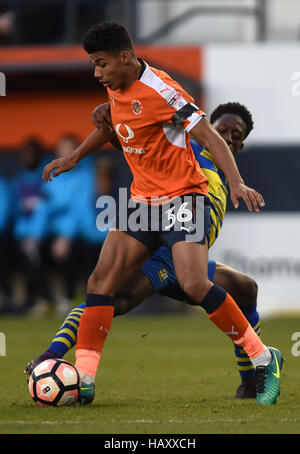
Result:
{"points": [[163, 275], [136, 106]]}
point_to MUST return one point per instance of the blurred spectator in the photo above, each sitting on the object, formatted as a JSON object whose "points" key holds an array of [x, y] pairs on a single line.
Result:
{"points": [[104, 183], [6, 302], [27, 196], [56, 226], [7, 26]]}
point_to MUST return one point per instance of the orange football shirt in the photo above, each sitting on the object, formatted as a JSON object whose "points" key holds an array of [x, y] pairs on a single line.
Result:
{"points": [[158, 153]]}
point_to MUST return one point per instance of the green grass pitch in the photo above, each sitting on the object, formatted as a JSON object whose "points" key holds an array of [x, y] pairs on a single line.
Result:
{"points": [[158, 375]]}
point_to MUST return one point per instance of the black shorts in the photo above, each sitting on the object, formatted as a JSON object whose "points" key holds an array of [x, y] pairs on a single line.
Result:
{"points": [[186, 218]]}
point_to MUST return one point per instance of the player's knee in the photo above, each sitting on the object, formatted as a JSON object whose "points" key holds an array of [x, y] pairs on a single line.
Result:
{"points": [[92, 283], [244, 291], [195, 289], [250, 291], [96, 284]]}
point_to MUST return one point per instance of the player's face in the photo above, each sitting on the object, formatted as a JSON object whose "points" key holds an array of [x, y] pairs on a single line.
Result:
{"points": [[110, 68], [233, 130]]}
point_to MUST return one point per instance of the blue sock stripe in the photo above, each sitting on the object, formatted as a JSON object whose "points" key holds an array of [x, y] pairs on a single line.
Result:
{"points": [[81, 306], [63, 341], [257, 326], [240, 353], [252, 315], [245, 367], [60, 347], [244, 363], [77, 309], [247, 373], [65, 336], [71, 319], [75, 314], [68, 326]]}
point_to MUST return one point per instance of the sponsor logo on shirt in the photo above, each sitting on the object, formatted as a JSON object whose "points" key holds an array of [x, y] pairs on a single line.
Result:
{"points": [[134, 150], [177, 101], [126, 134], [125, 128]]}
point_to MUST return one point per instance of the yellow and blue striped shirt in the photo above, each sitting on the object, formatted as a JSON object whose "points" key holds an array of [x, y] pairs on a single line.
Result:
{"points": [[217, 189]]}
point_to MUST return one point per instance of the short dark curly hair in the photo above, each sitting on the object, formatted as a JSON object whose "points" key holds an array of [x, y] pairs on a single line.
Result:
{"points": [[234, 108], [107, 37]]}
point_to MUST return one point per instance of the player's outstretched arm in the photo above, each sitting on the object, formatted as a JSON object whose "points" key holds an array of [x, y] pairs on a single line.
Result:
{"points": [[96, 139], [207, 136]]}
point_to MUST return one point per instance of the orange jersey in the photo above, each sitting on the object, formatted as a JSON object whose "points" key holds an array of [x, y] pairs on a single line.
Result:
{"points": [[159, 153]]}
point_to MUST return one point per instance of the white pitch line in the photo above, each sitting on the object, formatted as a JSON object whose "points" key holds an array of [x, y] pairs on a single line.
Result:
{"points": [[142, 421]]}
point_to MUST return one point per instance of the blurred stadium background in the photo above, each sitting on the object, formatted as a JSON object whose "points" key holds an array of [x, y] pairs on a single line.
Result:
{"points": [[220, 51]]}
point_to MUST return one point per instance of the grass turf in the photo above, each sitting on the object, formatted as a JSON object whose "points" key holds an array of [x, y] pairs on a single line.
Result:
{"points": [[158, 375]]}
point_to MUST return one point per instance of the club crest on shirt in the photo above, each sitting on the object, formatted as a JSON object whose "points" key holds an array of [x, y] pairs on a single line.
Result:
{"points": [[163, 274], [136, 106]]}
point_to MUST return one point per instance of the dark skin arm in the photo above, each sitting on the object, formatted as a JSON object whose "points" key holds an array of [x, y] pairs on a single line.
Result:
{"points": [[102, 120], [205, 134]]}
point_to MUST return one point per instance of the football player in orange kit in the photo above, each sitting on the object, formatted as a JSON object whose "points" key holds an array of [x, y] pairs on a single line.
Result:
{"points": [[153, 117]]}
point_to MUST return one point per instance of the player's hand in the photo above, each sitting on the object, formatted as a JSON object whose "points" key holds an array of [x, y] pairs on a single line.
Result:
{"points": [[58, 166], [102, 119], [251, 197]]}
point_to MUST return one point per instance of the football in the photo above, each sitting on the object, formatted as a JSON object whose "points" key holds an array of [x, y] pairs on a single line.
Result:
{"points": [[54, 383]]}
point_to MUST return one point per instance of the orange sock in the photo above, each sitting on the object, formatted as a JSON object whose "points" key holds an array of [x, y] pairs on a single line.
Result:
{"points": [[95, 324], [229, 318], [87, 361], [251, 343]]}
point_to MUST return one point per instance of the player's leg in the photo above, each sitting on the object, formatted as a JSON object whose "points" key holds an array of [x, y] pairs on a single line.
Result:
{"points": [[120, 258], [190, 263], [156, 275], [243, 289], [134, 292], [63, 341], [131, 295]]}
